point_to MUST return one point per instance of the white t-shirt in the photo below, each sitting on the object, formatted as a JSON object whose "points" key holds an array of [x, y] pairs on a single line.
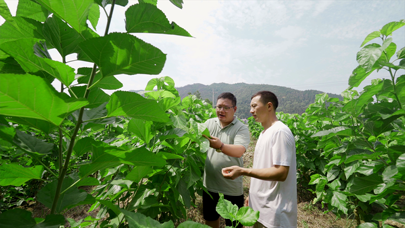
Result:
{"points": [[276, 201]]}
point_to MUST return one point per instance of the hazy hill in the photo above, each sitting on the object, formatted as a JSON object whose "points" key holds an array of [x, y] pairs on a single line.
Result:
{"points": [[290, 100]]}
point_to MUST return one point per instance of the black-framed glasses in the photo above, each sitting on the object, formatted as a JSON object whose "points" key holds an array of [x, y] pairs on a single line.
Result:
{"points": [[225, 108]]}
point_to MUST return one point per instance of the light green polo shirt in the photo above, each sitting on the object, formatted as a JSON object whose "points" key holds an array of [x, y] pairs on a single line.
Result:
{"points": [[235, 133]]}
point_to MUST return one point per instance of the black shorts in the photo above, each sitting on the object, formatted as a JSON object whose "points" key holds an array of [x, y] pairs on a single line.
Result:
{"points": [[210, 204]]}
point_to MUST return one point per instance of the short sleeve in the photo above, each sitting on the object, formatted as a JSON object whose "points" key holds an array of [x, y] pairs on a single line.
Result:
{"points": [[242, 137], [283, 148]]}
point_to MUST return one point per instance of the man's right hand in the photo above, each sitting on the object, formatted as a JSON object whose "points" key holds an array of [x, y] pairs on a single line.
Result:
{"points": [[247, 202]]}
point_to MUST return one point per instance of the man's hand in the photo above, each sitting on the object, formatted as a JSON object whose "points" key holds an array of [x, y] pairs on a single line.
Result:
{"points": [[232, 172], [214, 142], [247, 202]]}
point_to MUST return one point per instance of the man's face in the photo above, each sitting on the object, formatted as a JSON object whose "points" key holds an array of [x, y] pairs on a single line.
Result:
{"points": [[259, 110], [225, 110]]}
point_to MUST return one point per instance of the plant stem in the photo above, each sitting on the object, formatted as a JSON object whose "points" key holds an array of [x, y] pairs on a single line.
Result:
{"points": [[79, 123], [395, 88]]}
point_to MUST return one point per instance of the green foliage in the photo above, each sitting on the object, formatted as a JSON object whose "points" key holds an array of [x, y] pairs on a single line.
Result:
{"points": [[141, 153], [245, 215], [351, 151]]}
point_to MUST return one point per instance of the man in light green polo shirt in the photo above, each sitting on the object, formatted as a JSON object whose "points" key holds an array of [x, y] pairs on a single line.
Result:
{"points": [[229, 140]]}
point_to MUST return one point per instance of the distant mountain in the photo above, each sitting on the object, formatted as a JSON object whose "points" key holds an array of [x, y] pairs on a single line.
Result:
{"points": [[290, 100]]}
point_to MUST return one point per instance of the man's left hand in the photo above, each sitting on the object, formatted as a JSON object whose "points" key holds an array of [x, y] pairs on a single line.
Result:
{"points": [[214, 142]]}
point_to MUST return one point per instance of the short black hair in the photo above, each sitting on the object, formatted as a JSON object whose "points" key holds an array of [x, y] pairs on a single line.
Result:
{"points": [[228, 95], [267, 96]]}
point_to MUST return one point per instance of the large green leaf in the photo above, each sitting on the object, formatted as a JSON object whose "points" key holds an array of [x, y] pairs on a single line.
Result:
{"points": [[20, 28], [74, 12], [5, 11], [94, 15], [7, 133], [356, 106], [30, 9], [138, 220], [33, 144], [133, 105], [185, 194], [335, 131], [371, 36], [148, 18], [368, 55], [105, 156], [16, 175], [141, 128], [16, 218], [339, 201], [391, 27], [121, 53], [358, 75], [32, 97], [138, 172], [52, 221], [31, 63], [72, 196], [61, 36], [226, 209], [247, 216], [362, 185]]}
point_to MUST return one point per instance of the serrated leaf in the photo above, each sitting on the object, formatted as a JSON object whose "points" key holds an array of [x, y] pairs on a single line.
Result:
{"points": [[64, 38], [368, 55], [16, 175], [20, 28], [16, 218], [358, 75], [72, 196], [30, 9], [74, 12], [147, 18], [32, 97], [141, 128], [336, 131], [226, 209], [5, 11], [94, 15], [121, 53], [33, 64], [134, 105], [371, 36], [339, 201], [247, 216], [138, 172], [391, 27]]}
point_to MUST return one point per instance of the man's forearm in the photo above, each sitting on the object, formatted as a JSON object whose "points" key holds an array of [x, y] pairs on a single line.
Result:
{"points": [[233, 150], [277, 173]]}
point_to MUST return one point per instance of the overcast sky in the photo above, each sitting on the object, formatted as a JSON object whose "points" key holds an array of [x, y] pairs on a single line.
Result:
{"points": [[299, 44]]}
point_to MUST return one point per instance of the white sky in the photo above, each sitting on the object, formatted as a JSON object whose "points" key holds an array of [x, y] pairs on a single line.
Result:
{"points": [[300, 44]]}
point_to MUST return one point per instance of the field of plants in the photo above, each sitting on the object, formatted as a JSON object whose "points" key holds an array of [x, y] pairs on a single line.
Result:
{"points": [[353, 151], [144, 155]]}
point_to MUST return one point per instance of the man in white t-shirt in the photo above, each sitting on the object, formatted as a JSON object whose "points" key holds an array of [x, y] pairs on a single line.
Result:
{"points": [[273, 188]]}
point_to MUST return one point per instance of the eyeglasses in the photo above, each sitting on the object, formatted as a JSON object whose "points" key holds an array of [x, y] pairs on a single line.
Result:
{"points": [[225, 108]]}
